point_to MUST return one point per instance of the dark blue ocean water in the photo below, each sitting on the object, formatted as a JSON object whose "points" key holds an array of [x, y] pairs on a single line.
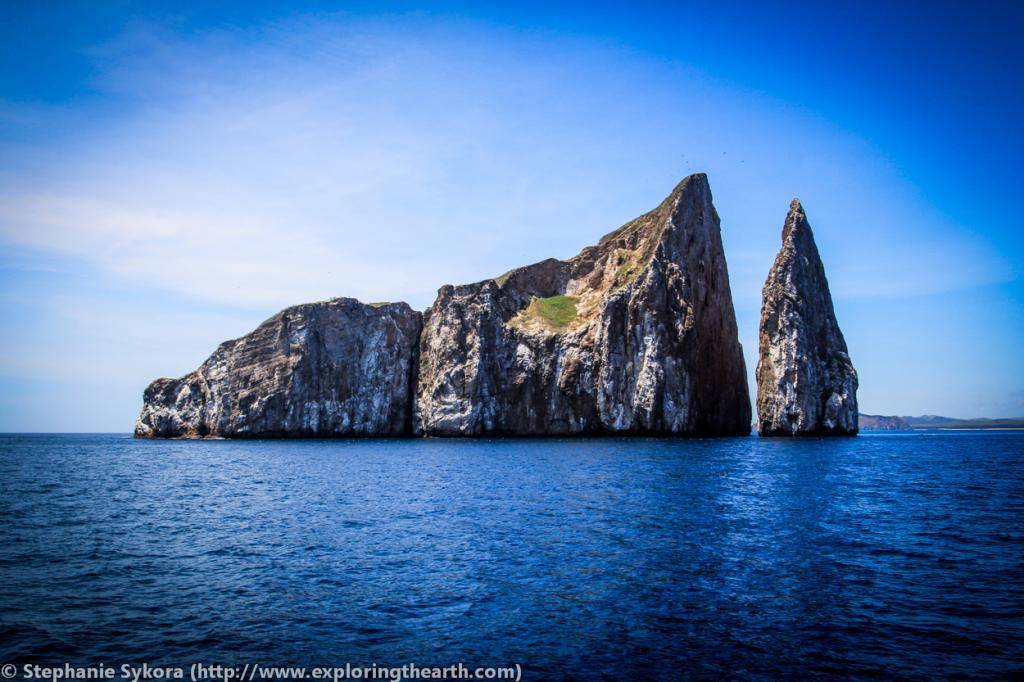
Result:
{"points": [[890, 555]]}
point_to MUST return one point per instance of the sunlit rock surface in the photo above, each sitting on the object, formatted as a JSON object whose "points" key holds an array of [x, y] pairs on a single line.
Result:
{"points": [[634, 335], [335, 368], [806, 383]]}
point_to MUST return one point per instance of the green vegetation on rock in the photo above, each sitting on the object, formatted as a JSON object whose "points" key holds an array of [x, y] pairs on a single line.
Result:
{"points": [[626, 271], [556, 311]]}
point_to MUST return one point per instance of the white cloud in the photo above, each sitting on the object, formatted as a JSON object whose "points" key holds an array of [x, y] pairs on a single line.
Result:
{"points": [[239, 258]]}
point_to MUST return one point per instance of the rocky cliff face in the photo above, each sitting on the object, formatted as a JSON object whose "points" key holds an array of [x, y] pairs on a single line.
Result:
{"points": [[806, 383], [335, 368], [634, 335]]}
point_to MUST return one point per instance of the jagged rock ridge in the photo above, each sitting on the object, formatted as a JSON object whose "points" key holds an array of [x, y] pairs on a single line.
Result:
{"points": [[634, 335], [806, 383], [335, 368]]}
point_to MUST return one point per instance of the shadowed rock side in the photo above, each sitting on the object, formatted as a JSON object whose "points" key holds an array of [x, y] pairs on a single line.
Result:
{"points": [[335, 368], [806, 383], [634, 335]]}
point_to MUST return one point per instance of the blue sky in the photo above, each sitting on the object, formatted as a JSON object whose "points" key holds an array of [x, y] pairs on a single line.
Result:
{"points": [[169, 179]]}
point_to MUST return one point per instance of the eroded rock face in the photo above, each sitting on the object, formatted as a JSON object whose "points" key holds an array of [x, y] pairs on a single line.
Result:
{"points": [[806, 383], [634, 335], [335, 368]]}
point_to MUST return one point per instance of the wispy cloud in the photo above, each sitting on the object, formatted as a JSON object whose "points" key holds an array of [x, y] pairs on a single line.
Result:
{"points": [[237, 257]]}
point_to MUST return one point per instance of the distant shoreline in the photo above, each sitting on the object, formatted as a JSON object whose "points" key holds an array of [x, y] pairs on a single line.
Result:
{"points": [[877, 422], [974, 428]]}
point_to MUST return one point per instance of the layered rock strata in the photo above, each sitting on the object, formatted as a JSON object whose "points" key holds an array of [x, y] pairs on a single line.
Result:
{"points": [[806, 383]]}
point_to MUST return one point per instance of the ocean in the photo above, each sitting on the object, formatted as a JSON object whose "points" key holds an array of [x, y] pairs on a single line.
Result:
{"points": [[893, 555]]}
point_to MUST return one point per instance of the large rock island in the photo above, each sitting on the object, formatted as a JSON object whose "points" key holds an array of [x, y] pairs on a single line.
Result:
{"points": [[634, 335], [336, 368], [806, 383]]}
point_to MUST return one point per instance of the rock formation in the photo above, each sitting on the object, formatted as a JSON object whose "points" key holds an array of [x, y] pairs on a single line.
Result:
{"points": [[806, 383], [634, 335], [336, 368]]}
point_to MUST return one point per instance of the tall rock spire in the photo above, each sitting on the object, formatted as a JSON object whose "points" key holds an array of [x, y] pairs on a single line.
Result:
{"points": [[806, 383], [634, 335]]}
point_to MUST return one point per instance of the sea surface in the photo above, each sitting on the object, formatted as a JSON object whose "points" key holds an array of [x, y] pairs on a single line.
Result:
{"points": [[890, 555]]}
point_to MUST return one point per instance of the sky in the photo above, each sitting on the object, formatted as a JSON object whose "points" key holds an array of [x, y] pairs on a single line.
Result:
{"points": [[171, 176]]}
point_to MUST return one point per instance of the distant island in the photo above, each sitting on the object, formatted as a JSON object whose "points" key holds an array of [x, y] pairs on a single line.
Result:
{"points": [[875, 422]]}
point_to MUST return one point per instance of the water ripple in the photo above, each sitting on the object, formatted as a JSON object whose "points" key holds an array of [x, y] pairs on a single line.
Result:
{"points": [[878, 556]]}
